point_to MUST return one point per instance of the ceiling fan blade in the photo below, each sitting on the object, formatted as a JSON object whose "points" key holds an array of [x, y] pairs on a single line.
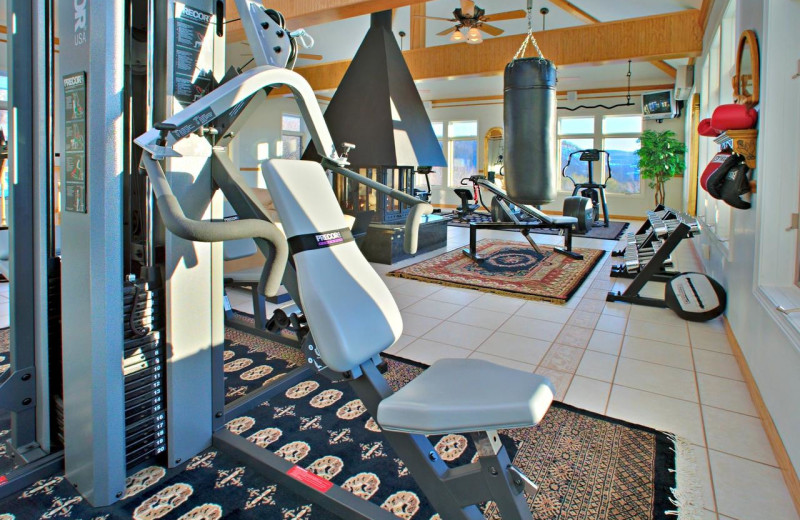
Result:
{"points": [[445, 32], [434, 18], [508, 15], [315, 57], [491, 29], [468, 8]]}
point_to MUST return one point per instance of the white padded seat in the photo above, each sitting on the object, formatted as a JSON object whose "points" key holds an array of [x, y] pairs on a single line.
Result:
{"points": [[466, 395]]}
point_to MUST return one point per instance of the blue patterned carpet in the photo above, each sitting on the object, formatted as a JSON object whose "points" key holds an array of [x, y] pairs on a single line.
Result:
{"points": [[587, 466]]}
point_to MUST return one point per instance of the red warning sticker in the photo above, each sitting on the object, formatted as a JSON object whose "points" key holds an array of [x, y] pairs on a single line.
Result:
{"points": [[309, 479]]}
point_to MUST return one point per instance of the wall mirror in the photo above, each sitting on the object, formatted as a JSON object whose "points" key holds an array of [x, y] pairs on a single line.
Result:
{"points": [[493, 151], [746, 80]]}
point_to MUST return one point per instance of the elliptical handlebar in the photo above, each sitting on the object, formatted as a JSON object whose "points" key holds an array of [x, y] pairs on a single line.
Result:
{"points": [[591, 150]]}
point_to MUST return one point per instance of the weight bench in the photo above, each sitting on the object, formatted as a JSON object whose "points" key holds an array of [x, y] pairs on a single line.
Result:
{"points": [[501, 207], [353, 318]]}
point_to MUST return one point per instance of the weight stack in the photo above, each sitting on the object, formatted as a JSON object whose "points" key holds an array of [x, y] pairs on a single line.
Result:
{"points": [[144, 368], [54, 350]]}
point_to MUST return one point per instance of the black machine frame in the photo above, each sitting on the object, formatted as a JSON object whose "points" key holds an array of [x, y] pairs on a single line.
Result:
{"points": [[27, 388], [504, 203], [590, 156]]}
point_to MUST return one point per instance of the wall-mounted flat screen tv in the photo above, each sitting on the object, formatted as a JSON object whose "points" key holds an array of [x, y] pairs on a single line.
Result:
{"points": [[659, 105]]}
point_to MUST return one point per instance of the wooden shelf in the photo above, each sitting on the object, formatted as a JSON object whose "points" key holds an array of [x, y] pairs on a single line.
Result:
{"points": [[743, 143]]}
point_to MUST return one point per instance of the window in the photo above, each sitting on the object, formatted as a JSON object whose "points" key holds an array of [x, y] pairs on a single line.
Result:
{"points": [[290, 123], [621, 141], [622, 125], [462, 150], [577, 169], [4, 130], [617, 134], [439, 173], [4, 103], [291, 144], [624, 164], [575, 125]]}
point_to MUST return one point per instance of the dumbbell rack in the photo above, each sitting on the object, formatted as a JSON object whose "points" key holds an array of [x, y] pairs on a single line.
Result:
{"points": [[648, 254]]}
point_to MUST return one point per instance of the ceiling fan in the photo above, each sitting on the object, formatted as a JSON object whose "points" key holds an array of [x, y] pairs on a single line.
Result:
{"points": [[473, 19]]}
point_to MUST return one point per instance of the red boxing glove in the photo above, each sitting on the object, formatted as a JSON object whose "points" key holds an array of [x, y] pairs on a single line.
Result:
{"points": [[715, 163], [734, 117], [705, 128]]}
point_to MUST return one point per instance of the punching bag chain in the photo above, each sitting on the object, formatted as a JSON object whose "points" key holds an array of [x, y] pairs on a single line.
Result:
{"points": [[529, 37]]}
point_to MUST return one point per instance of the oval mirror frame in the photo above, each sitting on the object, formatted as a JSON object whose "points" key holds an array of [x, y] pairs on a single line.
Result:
{"points": [[748, 42], [493, 134]]}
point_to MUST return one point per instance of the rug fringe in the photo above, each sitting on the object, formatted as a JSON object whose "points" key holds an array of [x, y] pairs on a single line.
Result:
{"points": [[687, 495]]}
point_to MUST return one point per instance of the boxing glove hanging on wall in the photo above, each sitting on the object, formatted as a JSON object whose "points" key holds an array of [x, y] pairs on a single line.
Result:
{"points": [[529, 116]]}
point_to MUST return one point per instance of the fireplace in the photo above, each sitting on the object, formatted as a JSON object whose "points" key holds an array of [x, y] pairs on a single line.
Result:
{"points": [[377, 107], [355, 198]]}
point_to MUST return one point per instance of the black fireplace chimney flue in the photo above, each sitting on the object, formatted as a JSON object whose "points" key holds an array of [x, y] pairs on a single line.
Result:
{"points": [[378, 108]]}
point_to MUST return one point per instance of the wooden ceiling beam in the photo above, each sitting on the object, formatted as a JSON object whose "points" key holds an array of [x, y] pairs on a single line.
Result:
{"points": [[679, 36], [582, 15], [418, 30], [666, 68], [705, 12], [574, 11], [622, 89], [305, 13]]}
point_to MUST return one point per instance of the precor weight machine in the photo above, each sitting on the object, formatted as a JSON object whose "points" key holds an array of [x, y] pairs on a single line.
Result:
{"points": [[142, 269], [28, 389]]}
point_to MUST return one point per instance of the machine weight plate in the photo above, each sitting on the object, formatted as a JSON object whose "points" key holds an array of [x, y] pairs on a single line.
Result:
{"points": [[581, 208], [695, 297]]}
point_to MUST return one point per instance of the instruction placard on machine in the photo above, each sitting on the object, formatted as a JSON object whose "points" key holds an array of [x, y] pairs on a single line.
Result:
{"points": [[75, 142], [193, 60]]}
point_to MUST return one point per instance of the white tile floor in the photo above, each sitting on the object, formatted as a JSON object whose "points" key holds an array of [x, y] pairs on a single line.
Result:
{"points": [[639, 364], [635, 363]]}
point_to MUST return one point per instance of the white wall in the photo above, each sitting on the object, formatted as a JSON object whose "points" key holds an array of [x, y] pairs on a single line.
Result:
{"points": [[489, 116], [263, 125], [770, 348]]}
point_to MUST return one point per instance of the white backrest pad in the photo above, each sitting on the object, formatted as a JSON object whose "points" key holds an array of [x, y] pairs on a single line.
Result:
{"points": [[349, 309]]}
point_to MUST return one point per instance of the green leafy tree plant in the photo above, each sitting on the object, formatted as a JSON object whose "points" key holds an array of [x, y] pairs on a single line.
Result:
{"points": [[660, 159]]}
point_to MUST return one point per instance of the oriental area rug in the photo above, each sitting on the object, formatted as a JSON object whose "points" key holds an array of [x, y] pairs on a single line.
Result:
{"points": [[509, 269]]}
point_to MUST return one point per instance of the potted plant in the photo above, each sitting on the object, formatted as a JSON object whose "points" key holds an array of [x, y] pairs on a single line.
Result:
{"points": [[660, 159]]}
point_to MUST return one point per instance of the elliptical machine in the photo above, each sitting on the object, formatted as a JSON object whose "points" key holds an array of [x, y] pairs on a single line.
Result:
{"points": [[469, 200], [591, 190]]}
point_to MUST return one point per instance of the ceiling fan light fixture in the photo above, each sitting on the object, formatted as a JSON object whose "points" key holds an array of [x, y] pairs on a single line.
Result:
{"points": [[457, 36], [474, 36]]}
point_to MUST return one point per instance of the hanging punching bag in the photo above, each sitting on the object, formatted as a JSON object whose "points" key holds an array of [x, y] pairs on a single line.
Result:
{"points": [[529, 115]]}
